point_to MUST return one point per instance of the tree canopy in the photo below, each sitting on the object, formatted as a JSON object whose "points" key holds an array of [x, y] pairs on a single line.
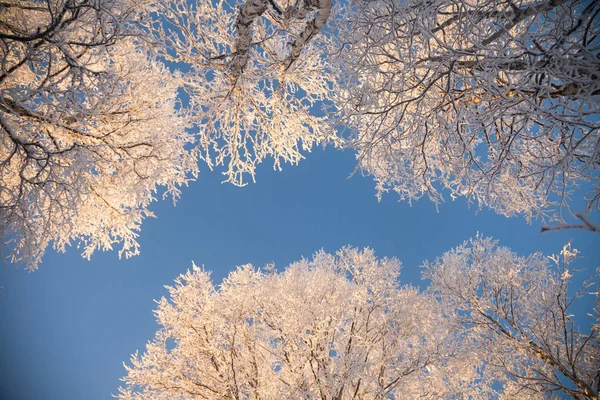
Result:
{"points": [[252, 80], [107, 104], [492, 324], [496, 101], [100, 101], [88, 127]]}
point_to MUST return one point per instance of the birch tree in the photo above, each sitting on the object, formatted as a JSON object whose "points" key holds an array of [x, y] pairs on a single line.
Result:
{"points": [[521, 313], [335, 327], [88, 127], [491, 325], [254, 77], [496, 101]]}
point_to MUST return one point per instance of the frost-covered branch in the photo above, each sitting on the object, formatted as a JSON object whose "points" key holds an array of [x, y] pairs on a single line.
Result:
{"points": [[88, 128], [251, 10], [520, 312], [587, 224], [245, 104], [299, 11], [334, 327], [492, 325], [495, 101]]}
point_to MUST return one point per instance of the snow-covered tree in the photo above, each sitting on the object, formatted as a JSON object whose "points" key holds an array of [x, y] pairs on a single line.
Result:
{"points": [[335, 327], [254, 77], [521, 314], [88, 127], [497, 101], [492, 325]]}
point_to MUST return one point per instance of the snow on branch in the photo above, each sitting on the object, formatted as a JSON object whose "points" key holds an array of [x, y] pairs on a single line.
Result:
{"points": [[300, 11], [251, 10], [492, 324], [495, 101], [246, 106], [587, 225], [89, 131]]}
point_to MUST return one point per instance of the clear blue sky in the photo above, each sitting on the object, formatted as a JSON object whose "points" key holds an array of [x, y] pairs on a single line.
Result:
{"points": [[66, 329]]}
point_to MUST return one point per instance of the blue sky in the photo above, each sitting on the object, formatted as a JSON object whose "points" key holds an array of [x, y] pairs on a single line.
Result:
{"points": [[67, 328]]}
